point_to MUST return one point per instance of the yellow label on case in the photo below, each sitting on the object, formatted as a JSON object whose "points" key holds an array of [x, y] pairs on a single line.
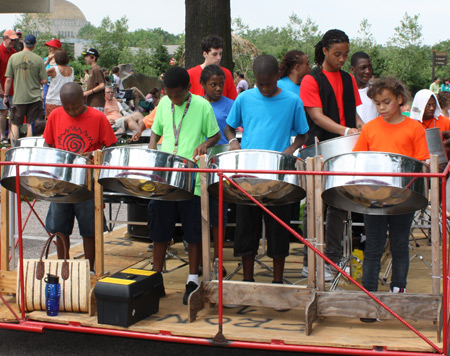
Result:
{"points": [[112, 280], [140, 272]]}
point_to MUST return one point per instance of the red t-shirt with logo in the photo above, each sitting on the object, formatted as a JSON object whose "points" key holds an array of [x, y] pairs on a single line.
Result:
{"points": [[229, 90], [87, 132], [310, 94], [4, 58]]}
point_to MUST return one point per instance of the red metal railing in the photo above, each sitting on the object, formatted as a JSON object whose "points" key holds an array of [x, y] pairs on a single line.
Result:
{"points": [[40, 326]]}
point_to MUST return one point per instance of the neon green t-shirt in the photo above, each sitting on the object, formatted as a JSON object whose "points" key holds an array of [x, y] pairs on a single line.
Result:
{"points": [[198, 123]]}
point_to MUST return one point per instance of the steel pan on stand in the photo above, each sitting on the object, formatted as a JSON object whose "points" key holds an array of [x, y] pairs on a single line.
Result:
{"points": [[163, 185], [30, 142], [436, 146], [330, 148], [380, 195], [269, 189], [55, 184]]}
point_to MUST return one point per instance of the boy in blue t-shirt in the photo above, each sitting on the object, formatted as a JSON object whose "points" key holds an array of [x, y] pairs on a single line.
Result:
{"points": [[268, 115]]}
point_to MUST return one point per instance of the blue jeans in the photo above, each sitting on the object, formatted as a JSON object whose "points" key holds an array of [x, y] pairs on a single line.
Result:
{"points": [[399, 227]]}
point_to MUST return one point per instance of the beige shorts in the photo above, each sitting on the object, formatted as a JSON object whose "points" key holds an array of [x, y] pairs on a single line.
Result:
{"points": [[119, 124]]}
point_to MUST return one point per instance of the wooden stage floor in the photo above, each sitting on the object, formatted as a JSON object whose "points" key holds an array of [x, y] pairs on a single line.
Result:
{"points": [[255, 324]]}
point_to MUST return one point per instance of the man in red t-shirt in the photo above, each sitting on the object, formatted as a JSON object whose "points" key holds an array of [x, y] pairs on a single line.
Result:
{"points": [[6, 51], [212, 47], [80, 129]]}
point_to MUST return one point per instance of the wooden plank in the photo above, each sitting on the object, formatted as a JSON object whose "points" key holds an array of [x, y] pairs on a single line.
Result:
{"points": [[206, 253], [196, 301], [310, 314], [350, 304], [310, 223], [435, 231], [98, 201], [4, 233], [8, 281], [318, 207], [280, 296]]}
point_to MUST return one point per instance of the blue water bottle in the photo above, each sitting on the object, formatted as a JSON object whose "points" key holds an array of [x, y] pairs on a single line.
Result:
{"points": [[52, 294]]}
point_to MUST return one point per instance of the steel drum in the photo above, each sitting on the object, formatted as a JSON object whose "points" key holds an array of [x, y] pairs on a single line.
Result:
{"points": [[330, 148], [269, 189], [375, 195], [215, 150], [435, 144], [30, 142], [55, 184], [161, 185]]}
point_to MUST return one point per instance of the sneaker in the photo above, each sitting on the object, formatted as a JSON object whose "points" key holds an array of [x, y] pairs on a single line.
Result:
{"points": [[397, 290], [329, 276], [150, 248], [190, 287], [368, 320]]}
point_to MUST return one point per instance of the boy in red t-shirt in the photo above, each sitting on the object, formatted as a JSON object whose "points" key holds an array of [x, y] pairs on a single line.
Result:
{"points": [[80, 129], [212, 47]]}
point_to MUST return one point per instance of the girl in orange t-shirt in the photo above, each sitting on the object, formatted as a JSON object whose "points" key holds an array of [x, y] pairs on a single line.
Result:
{"points": [[391, 132]]}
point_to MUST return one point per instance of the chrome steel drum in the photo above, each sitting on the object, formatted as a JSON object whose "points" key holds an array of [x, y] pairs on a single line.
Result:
{"points": [[30, 142], [435, 144], [162, 185], [269, 189], [215, 150], [375, 195], [330, 148], [55, 184]]}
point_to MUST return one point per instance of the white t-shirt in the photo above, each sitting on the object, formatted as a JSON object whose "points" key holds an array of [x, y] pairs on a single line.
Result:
{"points": [[367, 111], [118, 87]]}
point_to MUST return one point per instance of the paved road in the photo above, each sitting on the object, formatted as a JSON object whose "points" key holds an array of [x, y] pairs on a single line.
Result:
{"points": [[57, 343]]}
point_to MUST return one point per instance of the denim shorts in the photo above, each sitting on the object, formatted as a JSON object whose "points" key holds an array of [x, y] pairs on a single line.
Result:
{"points": [[61, 217], [2, 106], [162, 216]]}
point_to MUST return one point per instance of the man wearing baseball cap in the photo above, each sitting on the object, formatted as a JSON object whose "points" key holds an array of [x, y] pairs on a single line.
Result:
{"points": [[95, 86], [6, 51], [49, 62], [26, 69]]}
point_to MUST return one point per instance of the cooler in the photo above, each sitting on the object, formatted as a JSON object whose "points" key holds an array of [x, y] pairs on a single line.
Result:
{"points": [[128, 296]]}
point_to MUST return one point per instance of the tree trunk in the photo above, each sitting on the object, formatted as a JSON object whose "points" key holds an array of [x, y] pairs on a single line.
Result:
{"points": [[203, 18]]}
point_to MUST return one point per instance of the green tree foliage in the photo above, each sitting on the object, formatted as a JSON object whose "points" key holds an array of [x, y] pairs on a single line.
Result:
{"points": [[87, 32], [159, 60], [110, 39]]}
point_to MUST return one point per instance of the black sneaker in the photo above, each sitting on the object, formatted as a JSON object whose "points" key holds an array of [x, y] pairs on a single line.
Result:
{"points": [[190, 287], [368, 320]]}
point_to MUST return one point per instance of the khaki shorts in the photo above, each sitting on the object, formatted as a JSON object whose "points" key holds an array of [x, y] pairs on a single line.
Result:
{"points": [[119, 124], [31, 111]]}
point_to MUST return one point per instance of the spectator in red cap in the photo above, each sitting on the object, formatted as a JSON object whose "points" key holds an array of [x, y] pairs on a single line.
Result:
{"points": [[49, 62], [18, 44], [6, 51]]}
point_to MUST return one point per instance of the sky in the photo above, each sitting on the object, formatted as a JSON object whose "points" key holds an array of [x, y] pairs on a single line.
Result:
{"points": [[383, 15]]}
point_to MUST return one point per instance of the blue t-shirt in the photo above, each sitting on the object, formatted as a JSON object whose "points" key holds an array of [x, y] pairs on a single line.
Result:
{"points": [[268, 122], [287, 84], [221, 110]]}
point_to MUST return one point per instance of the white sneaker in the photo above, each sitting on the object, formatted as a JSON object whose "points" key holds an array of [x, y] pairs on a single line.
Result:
{"points": [[397, 290], [328, 277]]}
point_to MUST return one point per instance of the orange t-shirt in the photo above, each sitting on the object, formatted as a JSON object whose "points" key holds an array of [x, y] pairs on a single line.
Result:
{"points": [[442, 122], [406, 138], [112, 110], [149, 119]]}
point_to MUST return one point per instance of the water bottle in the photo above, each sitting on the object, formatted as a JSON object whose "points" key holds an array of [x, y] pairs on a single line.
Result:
{"points": [[52, 294]]}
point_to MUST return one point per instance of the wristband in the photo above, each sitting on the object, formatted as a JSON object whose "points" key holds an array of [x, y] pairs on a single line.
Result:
{"points": [[233, 139], [347, 129]]}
